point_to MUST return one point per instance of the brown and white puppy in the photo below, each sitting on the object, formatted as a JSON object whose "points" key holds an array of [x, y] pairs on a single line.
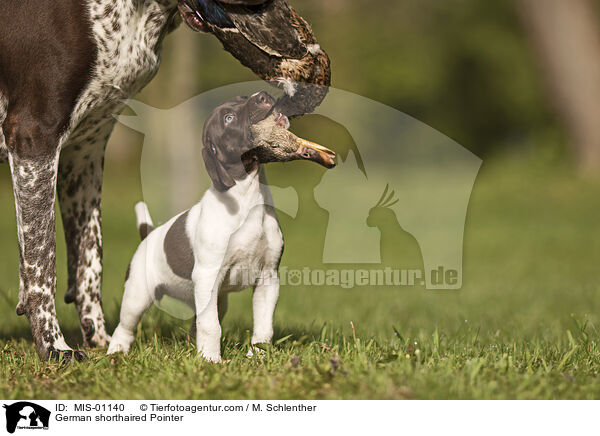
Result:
{"points": [[228, 241]]}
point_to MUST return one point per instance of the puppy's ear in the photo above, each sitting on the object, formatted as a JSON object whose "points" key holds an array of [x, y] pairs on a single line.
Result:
{"points": [[217, 172]]}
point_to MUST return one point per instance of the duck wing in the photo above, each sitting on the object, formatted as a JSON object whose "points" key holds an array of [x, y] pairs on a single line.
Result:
{"points": [[271, 25]]}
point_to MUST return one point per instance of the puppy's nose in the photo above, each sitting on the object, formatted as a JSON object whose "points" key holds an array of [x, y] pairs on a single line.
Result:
{"points": [[264, 98]]}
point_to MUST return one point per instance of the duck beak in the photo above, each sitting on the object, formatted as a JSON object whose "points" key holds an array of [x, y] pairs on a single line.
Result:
{"points": [[317, 153]]}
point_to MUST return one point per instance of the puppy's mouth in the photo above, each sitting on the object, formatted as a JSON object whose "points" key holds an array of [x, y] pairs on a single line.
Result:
{"points": [[308, 150], [273, 115], [282, 121]]}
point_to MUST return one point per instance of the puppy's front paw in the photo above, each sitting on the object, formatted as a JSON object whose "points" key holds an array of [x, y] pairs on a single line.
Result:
{"points": [[116, 347], [210, 357], [257, 350], [121, 341]]}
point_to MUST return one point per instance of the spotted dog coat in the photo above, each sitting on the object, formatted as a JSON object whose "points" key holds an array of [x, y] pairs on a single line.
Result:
{"points": [[59, 89]]}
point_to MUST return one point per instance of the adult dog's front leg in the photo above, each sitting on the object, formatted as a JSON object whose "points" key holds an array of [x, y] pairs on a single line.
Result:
{"points": [[33, 162], [208, 328], [79, 191]]}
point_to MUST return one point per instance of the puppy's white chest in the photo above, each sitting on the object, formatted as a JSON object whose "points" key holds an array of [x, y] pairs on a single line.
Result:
{"points": [[254, 248]]}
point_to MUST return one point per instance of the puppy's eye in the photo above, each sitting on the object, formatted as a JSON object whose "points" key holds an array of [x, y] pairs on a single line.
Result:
{"points": [[229, 118]]}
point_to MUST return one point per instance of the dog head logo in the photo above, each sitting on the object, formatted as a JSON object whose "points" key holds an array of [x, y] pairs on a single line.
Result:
{"points": [[26, 415]]}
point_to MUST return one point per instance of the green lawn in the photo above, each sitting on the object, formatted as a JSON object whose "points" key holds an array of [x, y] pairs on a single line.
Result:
{"points": [[525, 325]]}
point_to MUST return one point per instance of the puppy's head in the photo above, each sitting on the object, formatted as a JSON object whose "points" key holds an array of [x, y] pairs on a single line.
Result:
{"points": [[227, 136]]}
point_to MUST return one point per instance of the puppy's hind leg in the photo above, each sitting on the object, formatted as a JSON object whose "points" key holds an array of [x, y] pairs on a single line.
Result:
{"points": [[136, 301]]}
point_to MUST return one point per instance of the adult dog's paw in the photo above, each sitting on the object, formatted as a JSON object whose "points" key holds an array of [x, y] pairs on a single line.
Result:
{"points": [[93, 337], [67, 356]]}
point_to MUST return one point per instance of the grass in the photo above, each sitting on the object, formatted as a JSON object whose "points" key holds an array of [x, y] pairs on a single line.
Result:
{"points": [[524, 326]]}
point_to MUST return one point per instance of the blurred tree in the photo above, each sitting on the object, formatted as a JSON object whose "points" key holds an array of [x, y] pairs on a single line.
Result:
{"points": [[182, 87], [461, 66], [566, 39]]}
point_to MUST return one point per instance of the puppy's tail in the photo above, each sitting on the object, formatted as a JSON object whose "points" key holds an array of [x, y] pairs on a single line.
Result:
{"points": [[144, 222]]}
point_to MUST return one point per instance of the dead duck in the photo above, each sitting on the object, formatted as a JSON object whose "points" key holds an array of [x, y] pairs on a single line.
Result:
{"points": [[273, 142], [271, 39]]}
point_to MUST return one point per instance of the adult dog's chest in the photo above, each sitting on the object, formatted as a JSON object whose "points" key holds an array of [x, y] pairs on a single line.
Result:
{"points": [[128, 35]]}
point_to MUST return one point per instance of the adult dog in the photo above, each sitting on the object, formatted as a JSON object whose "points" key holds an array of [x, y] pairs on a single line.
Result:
{"points": [[65, 68], [228, 241]]}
